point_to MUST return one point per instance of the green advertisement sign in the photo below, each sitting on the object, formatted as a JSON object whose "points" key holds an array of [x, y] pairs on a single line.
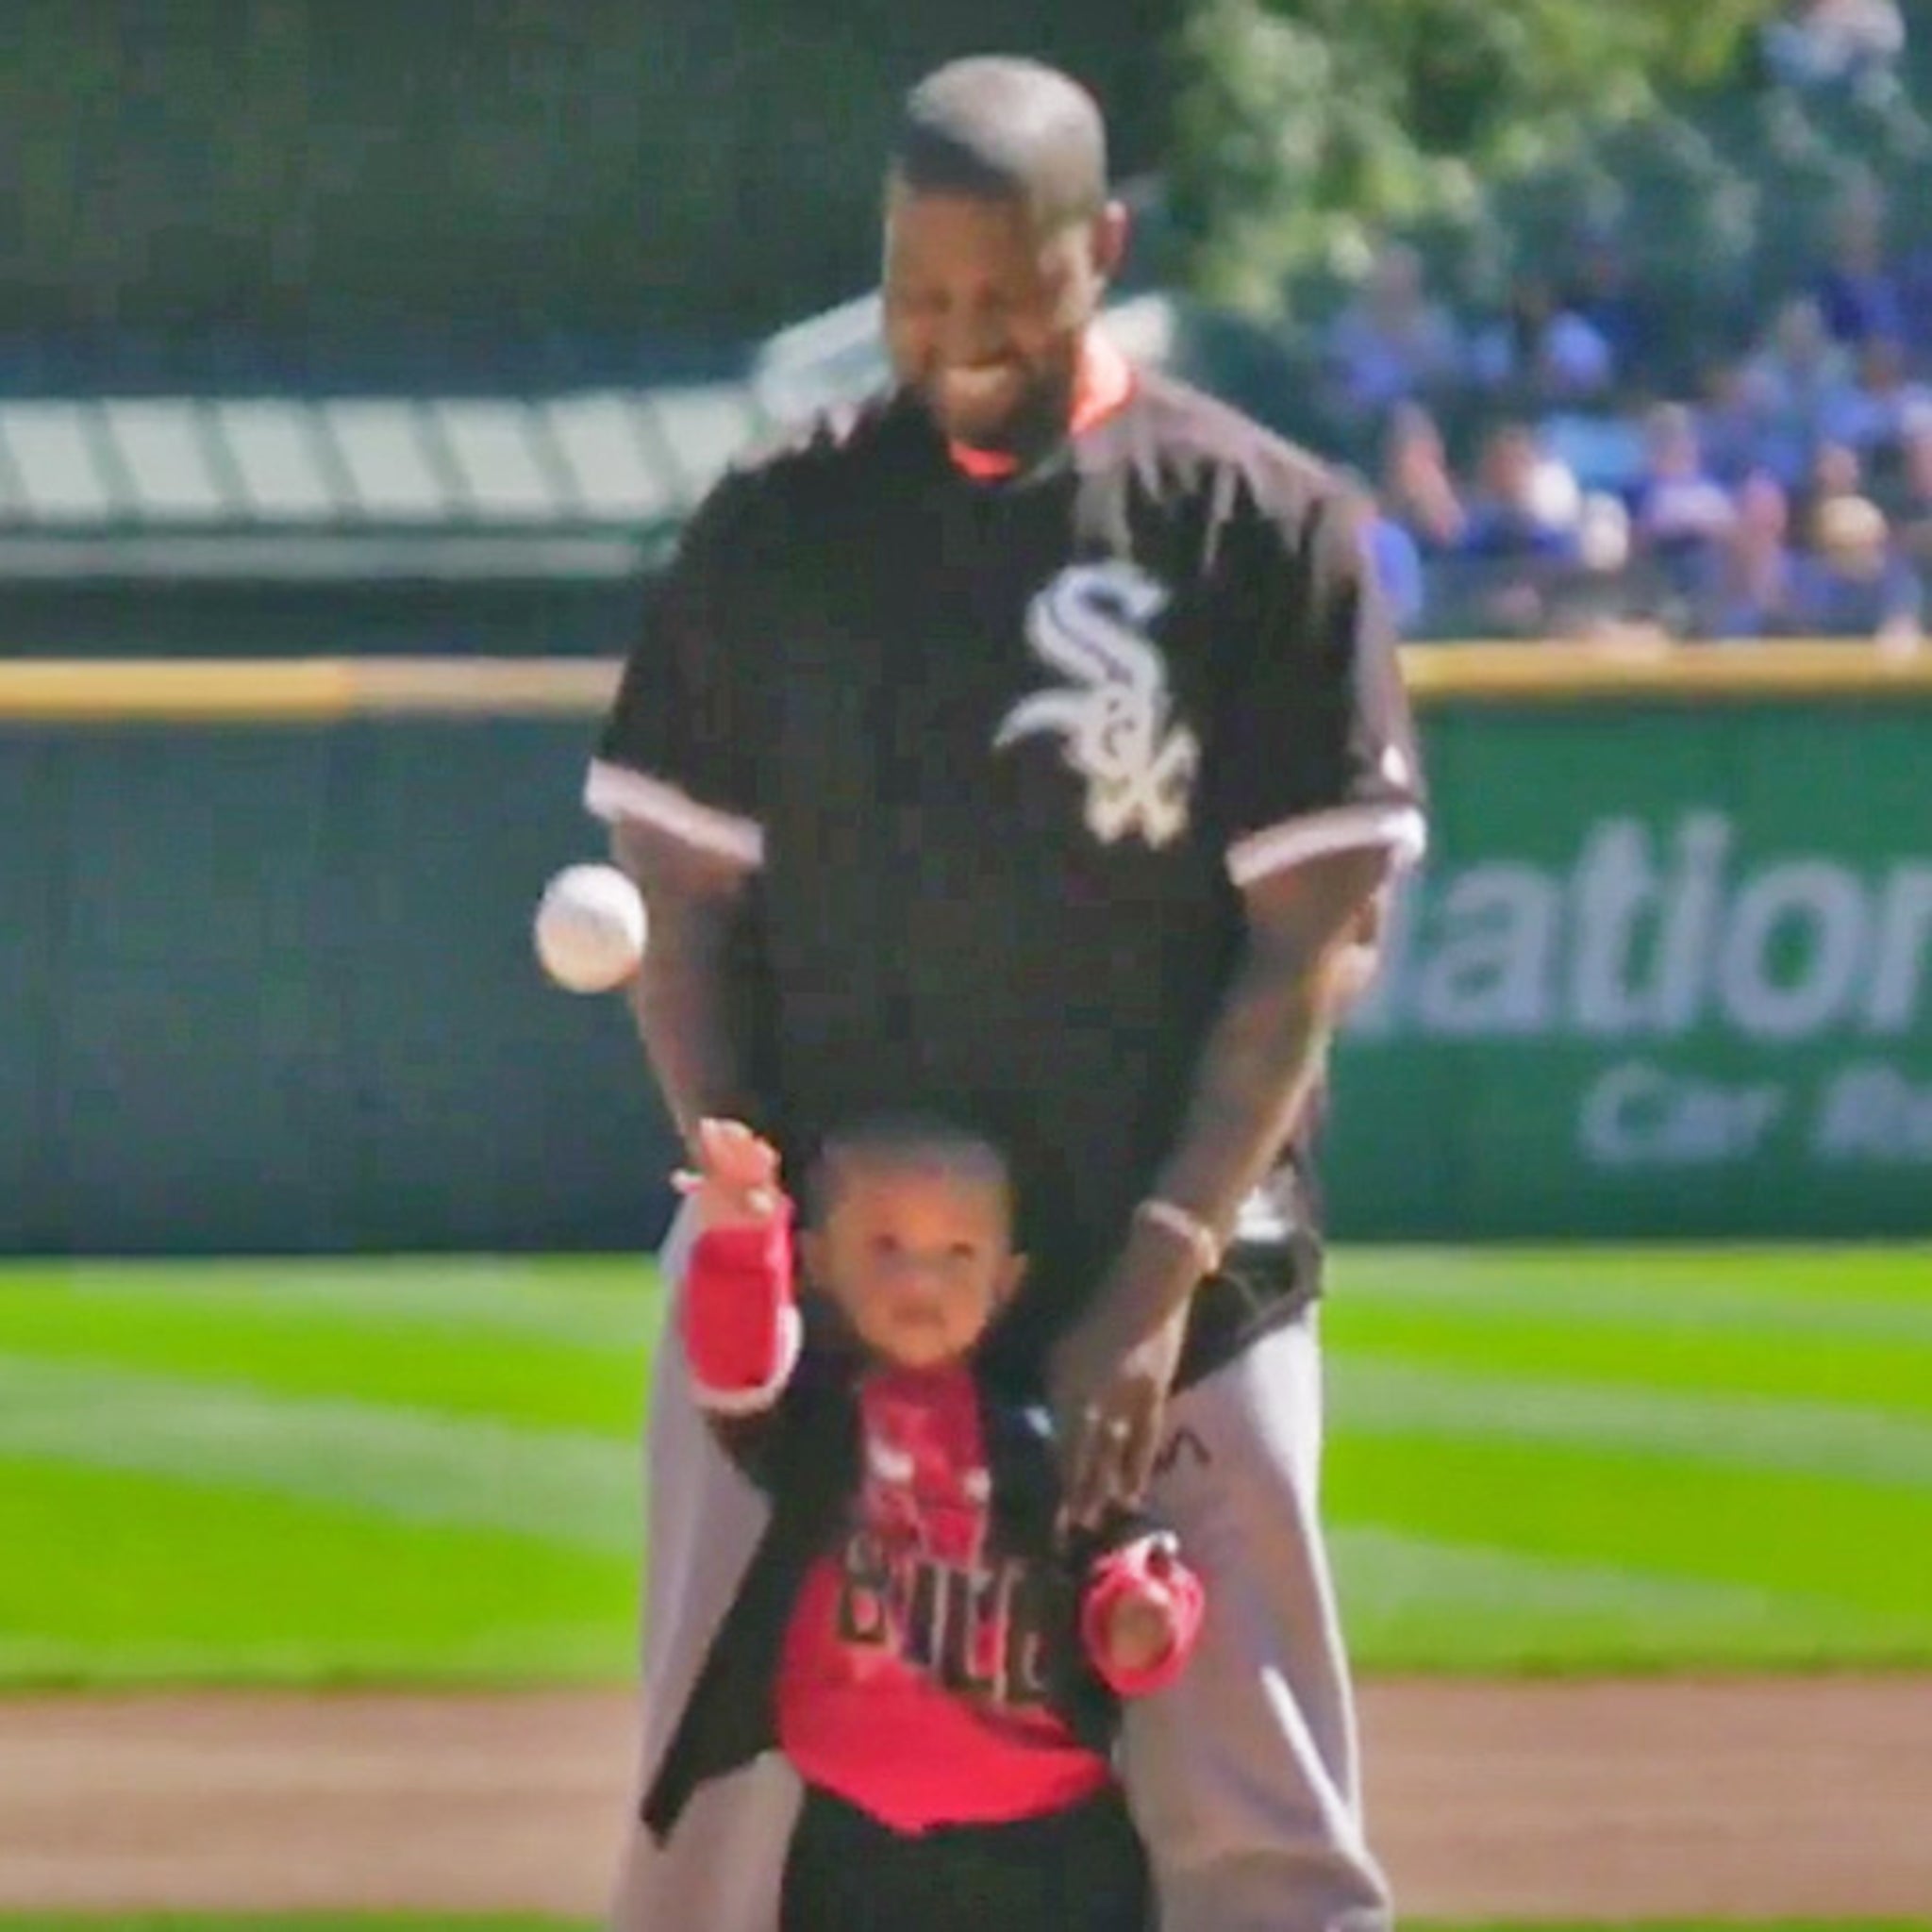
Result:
{"points": [[1666, 970]]}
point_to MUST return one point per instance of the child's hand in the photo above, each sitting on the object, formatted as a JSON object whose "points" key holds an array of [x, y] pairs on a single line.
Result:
{"points": [[1137, 1632], [1141, 1615], [735, 1184]]}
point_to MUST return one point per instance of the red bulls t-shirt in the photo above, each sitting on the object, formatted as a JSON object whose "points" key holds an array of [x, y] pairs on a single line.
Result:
{"points": [[910, 1683]]}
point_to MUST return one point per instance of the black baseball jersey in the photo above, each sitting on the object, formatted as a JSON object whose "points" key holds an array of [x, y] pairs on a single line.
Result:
{"points": [[1002, 756]]}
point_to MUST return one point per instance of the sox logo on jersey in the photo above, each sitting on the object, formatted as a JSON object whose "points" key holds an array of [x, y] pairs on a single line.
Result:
{"points": [[1116, 717]]}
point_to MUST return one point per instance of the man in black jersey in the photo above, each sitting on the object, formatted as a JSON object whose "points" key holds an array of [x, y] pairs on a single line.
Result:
{"points": [[1028, 746]]}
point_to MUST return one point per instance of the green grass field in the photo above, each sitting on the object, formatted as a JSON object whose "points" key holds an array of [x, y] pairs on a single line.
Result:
{"points": [[1551, 1460], [428, 1472]]}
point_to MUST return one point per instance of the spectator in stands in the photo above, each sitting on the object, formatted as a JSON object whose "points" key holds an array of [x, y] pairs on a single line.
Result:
{"points": [[1915, 297], [1605, 293], [1857, 294], [1797, 379], [1392, 342], [1519, 541], [1730, 425], [1870, 417], [1608, 594], [1832, 402], [1753, 588], [1418, 490], [1524, 507], [1397, 563], [1835, 472], [1681, 513], [1540, 355], [1604, 543], [1856, 584], [1909, 499]]}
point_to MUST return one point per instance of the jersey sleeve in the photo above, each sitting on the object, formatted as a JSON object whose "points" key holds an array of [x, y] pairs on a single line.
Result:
{"points": [[678, 750], [1319, 751]]}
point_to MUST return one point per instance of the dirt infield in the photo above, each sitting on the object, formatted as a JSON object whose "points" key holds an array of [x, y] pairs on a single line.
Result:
{"points": [[1616, 1800]]}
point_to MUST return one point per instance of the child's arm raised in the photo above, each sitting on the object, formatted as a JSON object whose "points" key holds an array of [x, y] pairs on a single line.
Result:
{"points": [[739, 1319]]}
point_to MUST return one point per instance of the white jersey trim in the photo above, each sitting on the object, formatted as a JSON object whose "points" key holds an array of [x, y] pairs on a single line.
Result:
{"points": [[1400, 828], [743, 1402], [615, 794]]}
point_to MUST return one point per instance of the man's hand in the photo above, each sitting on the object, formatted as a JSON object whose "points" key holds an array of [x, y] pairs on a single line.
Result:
{"points": [[1113, 1373], [1310, 948]]}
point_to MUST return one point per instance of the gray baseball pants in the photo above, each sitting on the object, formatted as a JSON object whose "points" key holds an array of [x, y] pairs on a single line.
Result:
{"points": [[1243, 1775]]}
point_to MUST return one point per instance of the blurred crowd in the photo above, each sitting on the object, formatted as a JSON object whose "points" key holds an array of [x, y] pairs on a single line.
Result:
{"points": [[1560, 465]]}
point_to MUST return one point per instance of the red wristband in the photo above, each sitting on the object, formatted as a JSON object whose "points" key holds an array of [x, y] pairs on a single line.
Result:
{"points": [[737, 1318], [1149, 1568]]}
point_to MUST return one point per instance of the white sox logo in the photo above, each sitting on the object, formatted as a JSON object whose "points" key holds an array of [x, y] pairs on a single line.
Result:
{"points": [[1090, 623]]}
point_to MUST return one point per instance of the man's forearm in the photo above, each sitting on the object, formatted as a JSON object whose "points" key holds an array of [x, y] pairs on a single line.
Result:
{"points": [[681, 995], [1304, 965], [1261, 1061], [677, 998]]}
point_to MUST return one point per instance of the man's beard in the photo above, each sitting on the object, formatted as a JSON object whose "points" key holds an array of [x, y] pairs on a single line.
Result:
{"points": [[1036, 423]]}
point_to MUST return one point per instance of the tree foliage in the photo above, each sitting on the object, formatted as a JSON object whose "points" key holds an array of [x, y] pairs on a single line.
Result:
{"points": [[1300, 126]]}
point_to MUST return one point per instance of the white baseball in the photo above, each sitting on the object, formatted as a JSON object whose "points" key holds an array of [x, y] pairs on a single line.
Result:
{"points": [[590, 928]]}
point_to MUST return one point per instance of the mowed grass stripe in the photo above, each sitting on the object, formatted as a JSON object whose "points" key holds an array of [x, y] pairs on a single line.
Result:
{"points": [[1409, 1602], [1862, 1550], [1588, 1341], [118, 1578], [525, 1349], [1370, 1393], [1878, 1291], [558, 1487], [1875, 1355], [429, 1470], [593, 1300]]}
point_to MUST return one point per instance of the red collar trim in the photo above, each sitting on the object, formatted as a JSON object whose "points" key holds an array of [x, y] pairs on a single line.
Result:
{"points": [[1103, 384]]}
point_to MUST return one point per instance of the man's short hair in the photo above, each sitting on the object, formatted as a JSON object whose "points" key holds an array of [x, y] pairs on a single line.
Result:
{"points": [[901, 1143], [1002, 128]]}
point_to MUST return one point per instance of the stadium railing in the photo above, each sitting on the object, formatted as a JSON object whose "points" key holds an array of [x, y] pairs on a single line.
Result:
{"points": [[301, 691]]}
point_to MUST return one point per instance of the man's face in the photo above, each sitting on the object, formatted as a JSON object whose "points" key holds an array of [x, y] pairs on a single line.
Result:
{"points": [[918, 1258], [984, 312]]}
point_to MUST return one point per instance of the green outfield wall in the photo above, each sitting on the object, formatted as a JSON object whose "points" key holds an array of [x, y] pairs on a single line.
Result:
{"points": [[1668, 970], [267, 983]]}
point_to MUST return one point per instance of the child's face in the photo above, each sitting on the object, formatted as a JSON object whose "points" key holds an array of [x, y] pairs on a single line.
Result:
{"points": [[919, 1260]]}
